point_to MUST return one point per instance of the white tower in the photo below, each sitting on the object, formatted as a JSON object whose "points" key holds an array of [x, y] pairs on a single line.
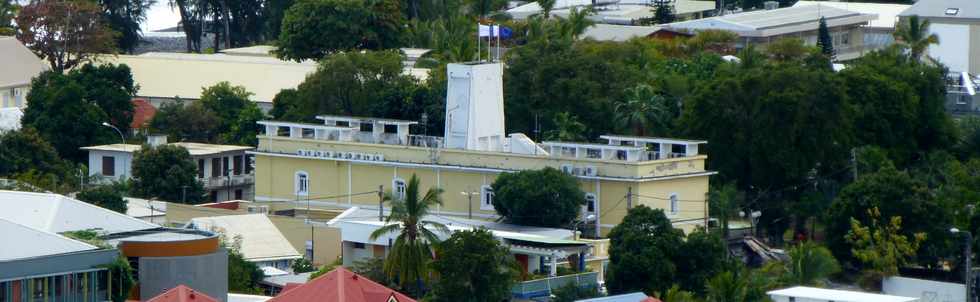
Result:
{"points": [[475, 107]]}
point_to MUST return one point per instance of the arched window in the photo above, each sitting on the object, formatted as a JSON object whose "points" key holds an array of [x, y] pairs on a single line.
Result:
{"points": [[302, 183], [674, 204], [398, 188], [486, 197]]}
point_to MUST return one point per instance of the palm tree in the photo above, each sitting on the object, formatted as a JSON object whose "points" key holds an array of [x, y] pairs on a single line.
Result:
{"points": [[546, 7], [567, 128], [724, 202], [810, 264], [410, 254], [578, 21], [914, 34], [727, 287], [642, 109]]}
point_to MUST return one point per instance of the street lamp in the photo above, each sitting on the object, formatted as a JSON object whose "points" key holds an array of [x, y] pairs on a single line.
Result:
{"points": [[967, 253], [122, 139], [469, 201], [588, 218]]}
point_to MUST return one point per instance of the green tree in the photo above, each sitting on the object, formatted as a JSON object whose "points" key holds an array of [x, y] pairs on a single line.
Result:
{"points": [[483, 8], [824, 41], [723, 204], [572, 292], [330, 267], [913, 34], [313, 29], [8, 10], [166, 172], [106, 197], [881, 247], [125, 17], [64, 117], [546, 7], [705, 255], [546, 197], [809, 265], [473, 264], [410, 254], [24, 150], [640, 252], [644, 111], [273, 12], [663, 12], [122, 279], [302, 266], [727, 287], [47, 26], [245, 128], [111, 87], [243, 276], [567, 128], [192, 122], [226, 102], [676, 294], [968, 143]]}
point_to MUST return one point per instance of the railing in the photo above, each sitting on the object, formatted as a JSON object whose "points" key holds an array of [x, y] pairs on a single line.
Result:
{"points": [[425, 141], [544, 287], [228, 181]]}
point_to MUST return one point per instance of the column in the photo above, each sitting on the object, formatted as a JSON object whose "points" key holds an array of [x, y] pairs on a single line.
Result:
{"points": [[554, 266]]}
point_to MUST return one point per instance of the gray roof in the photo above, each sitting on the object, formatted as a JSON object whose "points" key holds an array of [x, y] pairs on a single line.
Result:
{"points": [[617, 33], [631, 297], [32, 242], [57, 213], [20, 65], [958, 9], [763, 23], [283, 280]]}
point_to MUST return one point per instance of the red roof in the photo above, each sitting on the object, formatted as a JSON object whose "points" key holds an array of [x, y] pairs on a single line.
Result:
{"points": [[651, 299], [341, 285], [182, 293], [143, 112]]}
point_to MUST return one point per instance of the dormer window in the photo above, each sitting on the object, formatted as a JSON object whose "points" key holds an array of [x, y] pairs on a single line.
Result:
{"points": [[952, 11]]}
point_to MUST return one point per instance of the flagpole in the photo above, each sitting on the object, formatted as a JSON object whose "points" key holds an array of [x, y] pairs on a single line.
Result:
{"points": [[478, 38]]}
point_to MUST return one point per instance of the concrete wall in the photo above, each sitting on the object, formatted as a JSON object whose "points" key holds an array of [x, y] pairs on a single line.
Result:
{"points": [[926, 290], [954, 47], [205, 273], [123, 163]]}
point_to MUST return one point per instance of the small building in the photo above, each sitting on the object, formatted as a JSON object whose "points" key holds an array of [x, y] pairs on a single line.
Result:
{"points": [[878, 32], [225, 170], [20, 65], [341, 285], [257, 239], [759, 28], [621, 12], [812, 294], [957, 24]]}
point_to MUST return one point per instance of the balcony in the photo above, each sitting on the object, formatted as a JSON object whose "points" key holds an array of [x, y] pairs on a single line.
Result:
{"points": [[544, 287], [228, 181]]}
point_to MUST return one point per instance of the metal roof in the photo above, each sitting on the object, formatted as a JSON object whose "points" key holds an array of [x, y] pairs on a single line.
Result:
{"points": [[764, 23], [622, 11], [195, 149], [887, 12], [836, 295], [964, 9], [20, 65], [260, 239], [631, 297], [617, 33], [56, 213], [32, 242]]}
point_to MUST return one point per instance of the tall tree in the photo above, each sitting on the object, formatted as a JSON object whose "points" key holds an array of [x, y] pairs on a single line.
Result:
{"points": [[107, 197], [190, 22], [546, 197], [644, 111], [483, 8], [824, 41], [273, 12], [125, 17], [640, 252], [24, 150], [913, 34], [546, 7], [882, 246], [59, 109], [724, 204], [112, 88], [65, 33], [167, 173], [192, 122], [706, 255], [8, 9], [313, 29], [473, 264], [567, 128], [226, 102], [410, 254], [727, 286], [663, 12]]}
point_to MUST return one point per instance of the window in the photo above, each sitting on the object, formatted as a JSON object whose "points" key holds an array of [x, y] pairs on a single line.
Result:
{"points": [[108, 166], [358, 245], [593, 153], [215, 167], [238, 165], [249, 162], [398, 186], [620, 155], [342, 124], [567, 169], [952, 11], [309, 250], [391, 128], [200, 168], [238, 194], [367, 127], [302, 184], [674, 204], [590, 203], [486, 197], [225, 165]]}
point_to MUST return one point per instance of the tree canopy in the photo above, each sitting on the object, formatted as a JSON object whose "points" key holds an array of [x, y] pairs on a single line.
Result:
{"points": [[313, 29], [166, 172], [473, 264], [546, 197], [65, 33], [640, 252], [106, 197]]}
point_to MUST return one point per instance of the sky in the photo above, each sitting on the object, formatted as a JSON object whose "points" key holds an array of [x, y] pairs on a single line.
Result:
{"points": [[161, 16]]}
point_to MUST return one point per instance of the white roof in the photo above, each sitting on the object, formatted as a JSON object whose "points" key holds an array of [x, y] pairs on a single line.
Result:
{"points": [[20, 65], [617, 33], [32, 242], [10, 119], [836, 295], [887, 12], [139, 208], [56, 213], [766, 23], [261, 240], [195, 149], [621, 12], [953, 9]]}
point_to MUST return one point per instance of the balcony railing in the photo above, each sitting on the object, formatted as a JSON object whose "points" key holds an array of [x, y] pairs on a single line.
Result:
{"points": [[544, 287], [228, 181]]}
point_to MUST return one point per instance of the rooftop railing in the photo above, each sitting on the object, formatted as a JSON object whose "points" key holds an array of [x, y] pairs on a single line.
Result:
{"points": [[544, 287]]}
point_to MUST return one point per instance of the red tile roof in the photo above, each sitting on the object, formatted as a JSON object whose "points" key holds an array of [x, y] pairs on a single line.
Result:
{"points": [[143, 112], [182, 293], [341, 285]]}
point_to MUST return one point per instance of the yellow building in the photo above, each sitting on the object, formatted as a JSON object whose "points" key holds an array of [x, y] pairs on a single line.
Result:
{"points": [[344, 161]]}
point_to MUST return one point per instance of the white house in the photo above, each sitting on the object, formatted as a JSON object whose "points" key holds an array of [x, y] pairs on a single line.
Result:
{"points": [[957, 24], [19, 66], [225, 170]]}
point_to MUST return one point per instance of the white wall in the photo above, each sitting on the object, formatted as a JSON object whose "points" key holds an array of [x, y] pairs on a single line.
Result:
{"points": [[926, 290], [351, 254], [124, 162], [953, 49]]}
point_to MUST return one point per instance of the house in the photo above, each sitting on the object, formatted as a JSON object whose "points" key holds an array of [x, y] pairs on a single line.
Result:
{"points": [[878, 32], [957, 24], [759, 28], [225, 170], [345, 161], [161, 257], [257, 239], [20, 65], [812, 294], [341, 285], [182, 293], [621, 12]]}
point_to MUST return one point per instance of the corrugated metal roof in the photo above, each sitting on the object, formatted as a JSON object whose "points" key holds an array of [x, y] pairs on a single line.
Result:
{"points": [[965, 9], [763, 23], [618, 33], [887, 12], [813, 293], [260, 239], [20, 65], [56, 213], [32, 242]]}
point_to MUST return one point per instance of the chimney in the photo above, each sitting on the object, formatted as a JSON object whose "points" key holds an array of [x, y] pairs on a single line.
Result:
{"points": [[156, 140], [475, 107]]}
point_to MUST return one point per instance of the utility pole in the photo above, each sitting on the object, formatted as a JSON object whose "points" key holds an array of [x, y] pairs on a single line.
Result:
{"points": [[381, 203], [469, 202], [629, 198]]}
